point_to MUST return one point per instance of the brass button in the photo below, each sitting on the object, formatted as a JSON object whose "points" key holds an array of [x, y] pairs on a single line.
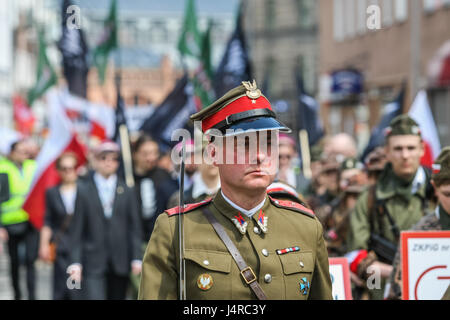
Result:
{"points": [[256, 230], [301, 264], [265, 252], [267, 278], [206, 263]]}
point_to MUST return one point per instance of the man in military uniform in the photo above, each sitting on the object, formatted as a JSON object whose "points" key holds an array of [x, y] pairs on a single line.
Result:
{"points": [[395, 203], [438, 219], [335, 218], [278, 248]]}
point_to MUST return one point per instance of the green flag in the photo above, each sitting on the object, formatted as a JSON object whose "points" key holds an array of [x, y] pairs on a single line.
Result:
{"points": [[190, 39], [202, 79], [45, 75], [107, 43]]}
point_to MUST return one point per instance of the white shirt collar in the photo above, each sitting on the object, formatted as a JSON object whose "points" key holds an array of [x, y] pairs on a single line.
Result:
{"points": [[101, 181], [248, 213], [437, 212], [199, 187], [419, 180]]}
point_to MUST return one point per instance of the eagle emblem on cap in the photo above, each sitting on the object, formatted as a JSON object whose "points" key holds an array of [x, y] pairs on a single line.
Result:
{"points": [[252, 90]]}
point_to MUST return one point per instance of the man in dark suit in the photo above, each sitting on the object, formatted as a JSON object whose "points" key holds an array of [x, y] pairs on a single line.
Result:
{"points": [[106, 231]]}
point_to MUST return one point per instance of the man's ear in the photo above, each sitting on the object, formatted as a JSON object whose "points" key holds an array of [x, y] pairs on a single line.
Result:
{"points": [[422, 144]]}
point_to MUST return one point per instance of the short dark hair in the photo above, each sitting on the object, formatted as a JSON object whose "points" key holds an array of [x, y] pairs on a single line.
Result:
{"points": [[441, 182], [66, 155], [143, 138]]}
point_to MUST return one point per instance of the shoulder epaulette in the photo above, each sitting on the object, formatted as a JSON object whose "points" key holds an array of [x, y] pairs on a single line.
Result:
{"points": [[291, 205], [187, 208]]}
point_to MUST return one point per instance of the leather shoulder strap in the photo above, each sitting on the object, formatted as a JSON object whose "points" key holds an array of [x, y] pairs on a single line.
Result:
{"points": [[246, 271]]}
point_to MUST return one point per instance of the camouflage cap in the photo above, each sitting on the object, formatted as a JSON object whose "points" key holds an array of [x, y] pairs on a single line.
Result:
{"points": [[244, 108], [403, 125], [441, 166]]}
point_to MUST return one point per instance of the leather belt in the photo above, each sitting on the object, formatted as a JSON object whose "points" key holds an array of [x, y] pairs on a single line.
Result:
{"points": [[246, 271]]}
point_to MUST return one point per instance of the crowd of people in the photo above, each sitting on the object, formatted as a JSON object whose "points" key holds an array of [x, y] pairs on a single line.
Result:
{"points": [[96, 227]]}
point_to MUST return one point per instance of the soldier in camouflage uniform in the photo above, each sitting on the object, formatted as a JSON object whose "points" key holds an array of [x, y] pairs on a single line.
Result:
{"points": [[394, 204], [439, 219]]}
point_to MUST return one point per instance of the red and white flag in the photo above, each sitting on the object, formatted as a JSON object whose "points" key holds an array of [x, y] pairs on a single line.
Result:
{"points": [[62, 138], [98, 119], [420, 111]]}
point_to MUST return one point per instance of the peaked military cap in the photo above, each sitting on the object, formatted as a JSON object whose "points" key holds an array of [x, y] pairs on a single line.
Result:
{"points": [[403, 125], [244, 108], [441, 166]]}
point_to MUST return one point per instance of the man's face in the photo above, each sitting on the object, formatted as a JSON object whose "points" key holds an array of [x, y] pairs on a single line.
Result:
{"points": [[254, 173], [107, 163], [146, 157], [443, 195], [404, 152], [67, 170], [20, 153], [286, 153]]}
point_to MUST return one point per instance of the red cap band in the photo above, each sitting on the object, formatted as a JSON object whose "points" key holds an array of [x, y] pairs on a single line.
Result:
{"points": [[239, 105]]}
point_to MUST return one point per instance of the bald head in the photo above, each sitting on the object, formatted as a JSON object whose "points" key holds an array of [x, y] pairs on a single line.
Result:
{"points": [[342, 144]]}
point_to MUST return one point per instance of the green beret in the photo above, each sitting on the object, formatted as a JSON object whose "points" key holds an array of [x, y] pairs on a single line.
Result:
{"points": [[403, 125], [441, 166]]}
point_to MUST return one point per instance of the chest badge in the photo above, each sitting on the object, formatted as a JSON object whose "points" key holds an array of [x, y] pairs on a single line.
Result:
{"points": [[287, 250], [262, 221], [304, 286], [240, 223], [205, 282]]}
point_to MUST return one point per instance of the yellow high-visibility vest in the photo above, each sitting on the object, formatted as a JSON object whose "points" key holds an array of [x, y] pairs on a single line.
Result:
{"points": [[19, 181]]}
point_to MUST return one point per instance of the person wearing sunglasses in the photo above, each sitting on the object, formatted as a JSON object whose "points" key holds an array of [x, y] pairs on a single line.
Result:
{"points": [[106, 231], [60, 202]]}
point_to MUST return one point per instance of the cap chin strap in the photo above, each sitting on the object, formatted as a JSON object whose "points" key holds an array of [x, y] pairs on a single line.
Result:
{"points": [[233, 118]]}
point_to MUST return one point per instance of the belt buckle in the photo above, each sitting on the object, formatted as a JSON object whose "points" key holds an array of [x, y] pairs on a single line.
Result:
{"points": [[252, 273]]}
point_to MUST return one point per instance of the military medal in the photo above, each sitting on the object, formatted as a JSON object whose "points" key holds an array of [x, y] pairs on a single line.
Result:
{"points": [[304, 286], [240, 223], [262, 221], [291, 249], [205, 282]]}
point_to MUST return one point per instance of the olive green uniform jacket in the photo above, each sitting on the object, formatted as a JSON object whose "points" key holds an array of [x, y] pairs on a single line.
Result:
{"points": [[405, 208], [299, 274]]}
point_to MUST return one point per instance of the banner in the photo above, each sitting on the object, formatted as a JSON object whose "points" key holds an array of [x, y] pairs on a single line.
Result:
{"points": [[425, 264], [340, 279]]}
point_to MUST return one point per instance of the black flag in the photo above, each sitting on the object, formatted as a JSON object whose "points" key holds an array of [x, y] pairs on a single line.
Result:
{"points": [[74, 51], [309, 114], [172, 114], [235, 64]]}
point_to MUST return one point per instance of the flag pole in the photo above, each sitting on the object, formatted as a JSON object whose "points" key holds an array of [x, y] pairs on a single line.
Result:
{"points": [[123, 129], [306, 157]]}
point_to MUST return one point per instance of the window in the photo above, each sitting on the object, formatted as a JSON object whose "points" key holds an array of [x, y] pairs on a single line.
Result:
{"points": [[433, 5], [338, 19], [401, 10], [349, 19], [361, 18], [387, 12], [306, 13], [270, 13]]}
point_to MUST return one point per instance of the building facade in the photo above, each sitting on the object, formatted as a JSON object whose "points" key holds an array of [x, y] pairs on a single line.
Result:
{"points": [[282, 37], [389, 42]]}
